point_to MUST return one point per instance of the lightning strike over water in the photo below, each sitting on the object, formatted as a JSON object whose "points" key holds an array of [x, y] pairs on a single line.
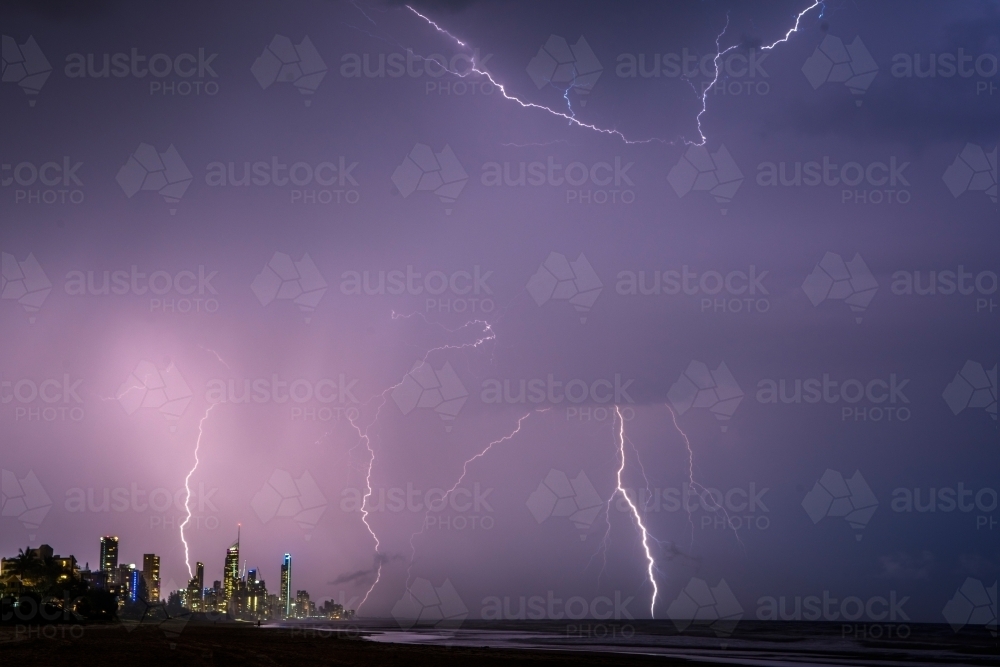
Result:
{"points": [[487, 335], [651, 564], [187, 486], [465, 470], [695, 485], [571, 117]]}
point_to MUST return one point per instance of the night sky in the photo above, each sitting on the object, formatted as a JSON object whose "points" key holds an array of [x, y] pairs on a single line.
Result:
{"points": [[321, 198]]}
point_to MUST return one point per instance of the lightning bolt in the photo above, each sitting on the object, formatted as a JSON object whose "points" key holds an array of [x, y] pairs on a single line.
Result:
{"points": [[487, 334], [719, 52], [650, 563], [187, 486], [571, 117], [465, 470], [217, 356], [695, 485]]}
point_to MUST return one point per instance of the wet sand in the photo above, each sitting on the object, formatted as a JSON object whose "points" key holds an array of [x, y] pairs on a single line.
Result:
{"points": [[231, 645], [483, 645]]}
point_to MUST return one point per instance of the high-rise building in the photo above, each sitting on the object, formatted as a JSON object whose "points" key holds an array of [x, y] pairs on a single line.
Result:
{"points": [[250, 598], [135, 585], [285, 594], [151, 573], [231, 571], [195, 598], [304, 607], [109, 558], [130, 583], [213, 598]]}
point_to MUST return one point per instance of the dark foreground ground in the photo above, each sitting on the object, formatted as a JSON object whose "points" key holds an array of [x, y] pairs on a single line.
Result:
{"points": [[237, 646], [234, 644]]}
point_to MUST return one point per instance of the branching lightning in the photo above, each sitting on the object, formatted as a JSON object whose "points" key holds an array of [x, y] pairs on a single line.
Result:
{"points": [[571, 117], [695, 485], [465, 470], [487, 334], [187, 486], [650, 562], [719, 52]]}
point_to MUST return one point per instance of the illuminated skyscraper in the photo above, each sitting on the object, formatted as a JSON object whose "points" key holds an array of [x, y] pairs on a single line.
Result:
{"points": [[231, 571], [196, 589], [285, 594], [151, 573], [109, 558]]}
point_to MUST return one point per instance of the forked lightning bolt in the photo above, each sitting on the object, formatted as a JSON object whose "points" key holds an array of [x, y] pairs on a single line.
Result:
{"points": [[719, 52], [444, 498], [187, 486], [650, 563], [487, 335], [572, 119], [695, 485]]}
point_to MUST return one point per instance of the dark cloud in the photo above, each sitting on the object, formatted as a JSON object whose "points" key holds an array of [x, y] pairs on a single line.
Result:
{"points": [[367, 575]]}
